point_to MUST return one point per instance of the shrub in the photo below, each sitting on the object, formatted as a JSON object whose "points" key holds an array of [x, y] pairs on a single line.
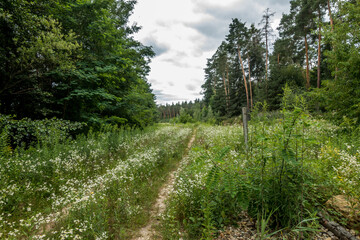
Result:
{"points": [[27, 132], [185, 117]]}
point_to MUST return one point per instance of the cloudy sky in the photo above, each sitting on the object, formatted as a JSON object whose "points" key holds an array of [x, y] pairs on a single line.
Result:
{"points": [[184, 33]]}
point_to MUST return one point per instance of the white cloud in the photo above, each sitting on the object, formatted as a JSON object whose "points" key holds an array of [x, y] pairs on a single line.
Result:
{"points": [[184, 33]]}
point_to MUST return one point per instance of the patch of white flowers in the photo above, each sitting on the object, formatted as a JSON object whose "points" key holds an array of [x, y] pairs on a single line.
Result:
{"points": [[346, 168], [82, 185]]}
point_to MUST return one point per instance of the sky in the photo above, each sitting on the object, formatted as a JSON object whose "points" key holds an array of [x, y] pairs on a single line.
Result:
{"points": [[185, 33]]}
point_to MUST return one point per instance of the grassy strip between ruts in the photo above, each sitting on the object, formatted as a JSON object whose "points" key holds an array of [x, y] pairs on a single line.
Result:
{"points": [[188, 210], [97, 187]]}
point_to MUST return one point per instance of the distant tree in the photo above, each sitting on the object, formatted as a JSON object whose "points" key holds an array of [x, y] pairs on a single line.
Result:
{"points": [[319, 7], [304, 23], [267, 32], [290, 75], [184, 116], [210, 117], [238, 39], [204, 113], [208, 86], [255, 52]]}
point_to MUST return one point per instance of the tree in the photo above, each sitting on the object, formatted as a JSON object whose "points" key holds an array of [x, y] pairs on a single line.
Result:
{"points": [[341, 95], [304, 22], [238, 38], [289, 47], [216, 86], [290, 75], [75, 60], [208, 86], [319, 7], [267, 32], [221, 62], [235, 64], [255, 52], [184, 116], [32, 47]]}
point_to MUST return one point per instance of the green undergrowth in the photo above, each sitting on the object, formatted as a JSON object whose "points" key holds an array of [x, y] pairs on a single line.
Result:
{"points": [[292, 165], [99, 186], [27, 133], [208, 193]]}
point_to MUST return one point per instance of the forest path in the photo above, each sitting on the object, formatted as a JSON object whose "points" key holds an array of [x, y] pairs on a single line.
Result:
{"points": [[148, 231]]}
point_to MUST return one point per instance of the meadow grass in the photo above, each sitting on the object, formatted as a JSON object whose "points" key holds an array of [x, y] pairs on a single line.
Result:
{"points": [[103, 185], [99, 186]]}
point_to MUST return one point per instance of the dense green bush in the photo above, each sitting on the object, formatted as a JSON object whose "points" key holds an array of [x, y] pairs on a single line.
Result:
{"points": [[114, 120], [184, 117], [27, 132]]}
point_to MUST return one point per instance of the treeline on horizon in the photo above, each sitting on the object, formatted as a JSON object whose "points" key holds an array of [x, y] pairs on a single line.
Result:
{"points": [[184, 112], [317, 54], [73, 60]]}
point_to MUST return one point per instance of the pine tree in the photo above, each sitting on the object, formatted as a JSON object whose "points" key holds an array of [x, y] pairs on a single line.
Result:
{"points": [[267, 32], [238, 39]]}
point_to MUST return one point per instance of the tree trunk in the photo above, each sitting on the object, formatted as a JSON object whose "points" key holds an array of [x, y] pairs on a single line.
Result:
{"points": [[332, 29], [251, 98], [243, 71], [226, 93], [335, 228], [266, 62], [228, 83], [307, 65], [319, 52], [330, 16], [64, 109], [278, 59]]}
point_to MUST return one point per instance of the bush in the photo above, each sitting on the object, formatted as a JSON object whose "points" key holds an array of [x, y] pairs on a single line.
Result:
{"points": [[114, 120], [27, 132], [185, 117]]}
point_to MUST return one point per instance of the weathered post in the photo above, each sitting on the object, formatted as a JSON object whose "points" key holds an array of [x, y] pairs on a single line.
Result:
{"points": [[245, 125]]}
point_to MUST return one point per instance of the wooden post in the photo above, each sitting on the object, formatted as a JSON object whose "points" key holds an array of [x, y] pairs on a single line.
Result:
{"points": [[245, 125]]}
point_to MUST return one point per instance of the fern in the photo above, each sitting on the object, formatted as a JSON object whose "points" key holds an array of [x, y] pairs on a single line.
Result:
{"points": [[221, 155], [213, 178]]}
